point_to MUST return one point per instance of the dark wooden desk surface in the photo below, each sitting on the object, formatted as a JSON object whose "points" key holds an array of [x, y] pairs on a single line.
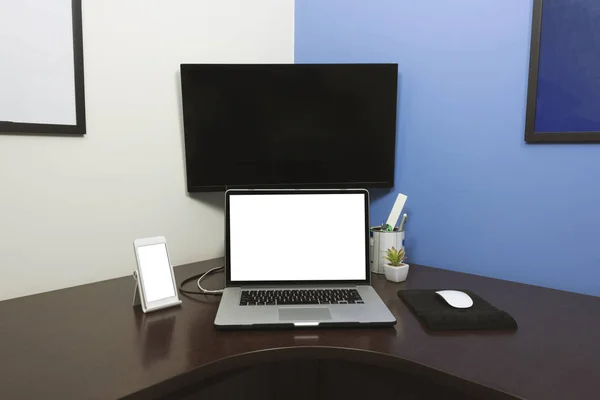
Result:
{"points": [[88, 342]]}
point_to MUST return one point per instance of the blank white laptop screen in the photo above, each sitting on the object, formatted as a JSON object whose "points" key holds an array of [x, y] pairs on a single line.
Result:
{"points": [[156, 272], [297, 237]]}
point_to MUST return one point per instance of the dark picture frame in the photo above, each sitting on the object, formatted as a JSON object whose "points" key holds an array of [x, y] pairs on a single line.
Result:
{"points": [[58, 129], [531, 136]]}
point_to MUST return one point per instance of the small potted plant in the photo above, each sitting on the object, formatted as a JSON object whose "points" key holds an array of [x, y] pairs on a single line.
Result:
{"points": [[395, 270]]}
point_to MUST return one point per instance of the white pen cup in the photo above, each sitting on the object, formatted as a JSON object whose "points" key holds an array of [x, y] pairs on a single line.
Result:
{"points": [[380, 241]]}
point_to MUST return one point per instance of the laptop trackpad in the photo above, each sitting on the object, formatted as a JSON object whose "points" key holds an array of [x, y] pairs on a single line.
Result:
{"points": [[304, 314]]}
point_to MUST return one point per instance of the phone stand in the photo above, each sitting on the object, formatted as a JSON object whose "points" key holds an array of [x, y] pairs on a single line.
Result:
{"points": [[136, 292]]}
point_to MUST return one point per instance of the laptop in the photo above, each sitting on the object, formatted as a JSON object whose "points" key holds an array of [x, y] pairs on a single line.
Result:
{"points": [[298, 258]]}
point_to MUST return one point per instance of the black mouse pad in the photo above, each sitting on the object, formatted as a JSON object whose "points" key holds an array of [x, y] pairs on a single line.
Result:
{"points": [[437, 315]]}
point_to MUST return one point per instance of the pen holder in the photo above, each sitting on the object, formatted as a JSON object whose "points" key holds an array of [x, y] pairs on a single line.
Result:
{"points": [[379, 242]]}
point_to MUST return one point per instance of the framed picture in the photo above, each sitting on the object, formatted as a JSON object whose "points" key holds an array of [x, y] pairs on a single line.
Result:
{"points": [[41, 73], [563, 100]]}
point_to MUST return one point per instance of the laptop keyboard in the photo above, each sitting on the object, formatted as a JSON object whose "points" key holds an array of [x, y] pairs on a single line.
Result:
{"points": [[299, 296]]}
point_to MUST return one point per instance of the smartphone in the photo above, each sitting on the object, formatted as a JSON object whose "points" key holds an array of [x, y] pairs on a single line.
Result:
{"points": [[156, 281]]}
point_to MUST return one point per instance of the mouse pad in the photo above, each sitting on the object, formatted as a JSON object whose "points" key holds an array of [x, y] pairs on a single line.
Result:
{"points": [[437, 315]]}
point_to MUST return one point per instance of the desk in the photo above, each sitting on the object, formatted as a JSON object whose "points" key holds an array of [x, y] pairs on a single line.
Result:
{"points": [[87, 342]]}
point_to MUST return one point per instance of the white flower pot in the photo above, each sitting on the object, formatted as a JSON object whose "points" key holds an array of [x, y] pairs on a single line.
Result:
{"points": [[396, 274]]}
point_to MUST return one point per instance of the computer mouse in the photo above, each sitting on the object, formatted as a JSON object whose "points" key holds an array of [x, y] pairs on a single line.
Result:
{"points": [[455, 298]]}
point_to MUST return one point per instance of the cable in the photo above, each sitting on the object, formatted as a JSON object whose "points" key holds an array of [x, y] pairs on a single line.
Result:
{"points": [[200, 277], [217, 292]]}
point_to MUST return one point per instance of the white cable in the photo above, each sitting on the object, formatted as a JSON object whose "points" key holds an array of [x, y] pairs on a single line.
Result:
{"points": [[208, 291]]}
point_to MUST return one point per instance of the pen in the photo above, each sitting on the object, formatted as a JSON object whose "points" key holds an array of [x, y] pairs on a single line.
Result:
{"points": [[403, 222]]}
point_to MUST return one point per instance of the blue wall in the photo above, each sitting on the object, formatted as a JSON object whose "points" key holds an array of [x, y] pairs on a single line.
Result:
{"points": [[480, 199]]}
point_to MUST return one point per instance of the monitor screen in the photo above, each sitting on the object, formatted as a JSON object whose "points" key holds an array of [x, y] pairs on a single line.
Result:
{"points": [[297, 237], [289, 125]]}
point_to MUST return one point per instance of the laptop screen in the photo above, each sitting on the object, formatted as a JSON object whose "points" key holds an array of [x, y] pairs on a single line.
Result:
{"points": [[297, 236]]}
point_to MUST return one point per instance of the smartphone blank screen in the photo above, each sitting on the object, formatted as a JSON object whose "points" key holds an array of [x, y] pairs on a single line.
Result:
{"points": [[156, 272]]}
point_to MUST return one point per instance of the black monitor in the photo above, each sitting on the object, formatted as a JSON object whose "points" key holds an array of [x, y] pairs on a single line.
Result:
{"points": [[289, 125]]}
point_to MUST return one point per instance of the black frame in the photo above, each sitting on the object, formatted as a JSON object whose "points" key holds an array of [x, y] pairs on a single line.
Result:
{"points": [[233, 192], [545, 137], [54, 129]]}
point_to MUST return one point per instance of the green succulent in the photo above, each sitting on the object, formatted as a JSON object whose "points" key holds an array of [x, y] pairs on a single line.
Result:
{"points": [[395, 257]]}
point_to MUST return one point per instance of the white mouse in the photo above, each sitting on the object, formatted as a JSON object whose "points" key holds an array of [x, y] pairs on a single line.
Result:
{"points": [[455, 298]]}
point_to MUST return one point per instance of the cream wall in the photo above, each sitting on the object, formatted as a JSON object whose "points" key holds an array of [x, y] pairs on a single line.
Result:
{"points": [[70, 208]]}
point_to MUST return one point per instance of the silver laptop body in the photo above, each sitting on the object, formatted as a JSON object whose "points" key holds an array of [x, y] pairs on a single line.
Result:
{"points": [[298, 258]]}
